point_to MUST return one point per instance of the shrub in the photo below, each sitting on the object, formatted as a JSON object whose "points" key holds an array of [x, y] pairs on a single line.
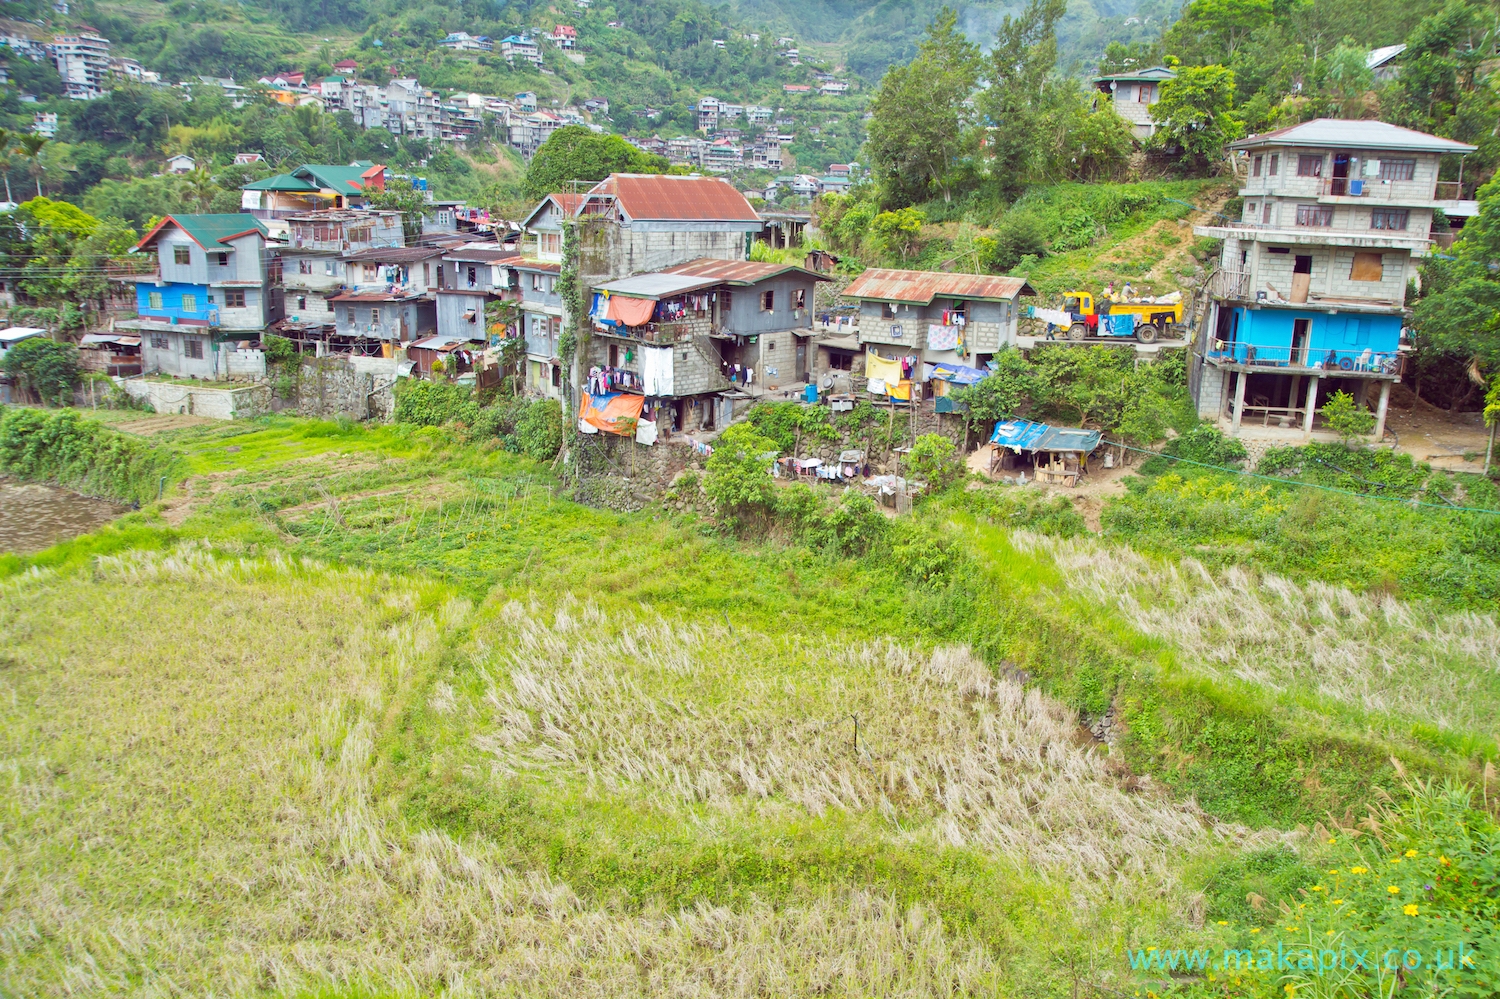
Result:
{"points": [[81, 454], [739, 475], [1347, 418], [432, 404], [539, 429], [933, 460], [46, 367], [1207, 445], [278, 349]]}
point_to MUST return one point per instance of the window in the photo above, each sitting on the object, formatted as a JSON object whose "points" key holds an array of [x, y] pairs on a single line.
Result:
{"points": [[551, 284], [159, 341], [726, 299], [536, 282], [1314, 215], [304, 267], [551, 243], [1274, 164], [556, 376], [372, 272], [887, 310], [1398, 170], [192, 346], [1389, 218], [181, 254], [234, 298], [328, 268], [1367, 267], [153, 300], [349, 316], [374, 317], [222, 259], [301, 303], [189, 303], [799, 298], [1146, 94], [1250, 211], [1265, 214], [839, 360], [473, 274], [1309, 165], [767, 301], [1255, 165]]}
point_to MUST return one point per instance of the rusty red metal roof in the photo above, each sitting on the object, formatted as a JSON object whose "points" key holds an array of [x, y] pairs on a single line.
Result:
{"points": [[372, 296], [675, 199], [740, 271], [549, 266], [921, 287]]}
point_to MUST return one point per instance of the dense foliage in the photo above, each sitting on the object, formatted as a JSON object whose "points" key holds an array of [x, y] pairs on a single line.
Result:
{"points": [[81, 454], [45, 367]]}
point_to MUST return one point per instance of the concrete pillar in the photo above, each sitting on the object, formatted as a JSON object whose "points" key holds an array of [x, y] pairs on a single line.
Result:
{"points": [[1291, 399], [1380, 410], [1239, 401], [1312, 399]]}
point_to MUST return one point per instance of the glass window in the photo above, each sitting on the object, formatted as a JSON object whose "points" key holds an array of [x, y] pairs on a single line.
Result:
{"points": [[154, 300], [328, 268], [1309, 165], [1275, 163], [1389, 218], [349, 316], [192, 346], [1255, 166], [768, 301], [181, 254], [159, 341], [374, 317], [234, 299], [1314, 215], [304, 267], [189, 303], [1250, 211], [1398, 170]]}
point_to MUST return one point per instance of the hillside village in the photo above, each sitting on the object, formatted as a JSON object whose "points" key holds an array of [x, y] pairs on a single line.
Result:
{"points": [[754, 500]]}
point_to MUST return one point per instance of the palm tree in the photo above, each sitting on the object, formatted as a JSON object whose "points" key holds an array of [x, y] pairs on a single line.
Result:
{"points": [[199, 187], [6, 138], [31, 148]]}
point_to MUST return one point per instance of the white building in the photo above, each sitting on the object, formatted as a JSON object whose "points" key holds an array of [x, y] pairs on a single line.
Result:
{"points": [[1133, 94], [83, 63], [520, 47], [462, 41], [44, 123]]}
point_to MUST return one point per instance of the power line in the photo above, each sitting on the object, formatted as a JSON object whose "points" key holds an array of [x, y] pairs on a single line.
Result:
{"points": [[1449, 508]]}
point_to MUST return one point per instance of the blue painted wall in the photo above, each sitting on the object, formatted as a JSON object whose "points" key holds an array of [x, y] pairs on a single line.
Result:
{"points": [[1343, 335], [171, 301]]}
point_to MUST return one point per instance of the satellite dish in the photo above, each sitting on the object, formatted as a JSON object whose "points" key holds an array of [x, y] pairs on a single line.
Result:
{"points": [[828, 381]]}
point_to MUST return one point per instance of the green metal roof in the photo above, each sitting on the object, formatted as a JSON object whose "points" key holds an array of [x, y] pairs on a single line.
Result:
{"points": [[281, 182], [340, 179], [207, 230]]}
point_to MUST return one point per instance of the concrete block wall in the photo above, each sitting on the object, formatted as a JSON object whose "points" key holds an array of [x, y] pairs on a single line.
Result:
{"points": [[240, 403], [357, 388], [778, 359]]}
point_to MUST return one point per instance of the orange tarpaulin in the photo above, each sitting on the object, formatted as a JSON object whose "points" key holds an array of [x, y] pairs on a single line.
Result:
{"points": [[630, 311], [614, 414]]}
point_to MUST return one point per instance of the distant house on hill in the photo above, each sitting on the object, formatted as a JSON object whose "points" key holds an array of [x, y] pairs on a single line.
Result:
{"points": [[1133, 93]]}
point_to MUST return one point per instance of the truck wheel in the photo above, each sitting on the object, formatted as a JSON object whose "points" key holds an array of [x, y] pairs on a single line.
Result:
{"points": [[1077, 331], [1146, 333]]}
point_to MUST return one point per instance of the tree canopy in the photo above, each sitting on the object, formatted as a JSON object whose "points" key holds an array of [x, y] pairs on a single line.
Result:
{"points": [[576, 153]]}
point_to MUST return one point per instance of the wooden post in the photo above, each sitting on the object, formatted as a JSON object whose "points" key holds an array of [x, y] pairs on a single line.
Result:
{"points": [[1312, 399], [1239, 401], [1380, 411], [1489, 452]]}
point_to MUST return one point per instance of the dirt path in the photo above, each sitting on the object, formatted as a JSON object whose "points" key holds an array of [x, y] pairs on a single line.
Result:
{"points": [[147, 424], [1429, 434], [1088, 497]]}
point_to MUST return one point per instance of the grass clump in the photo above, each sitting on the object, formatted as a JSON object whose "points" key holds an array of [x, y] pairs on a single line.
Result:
{"points": [[82, 455]]}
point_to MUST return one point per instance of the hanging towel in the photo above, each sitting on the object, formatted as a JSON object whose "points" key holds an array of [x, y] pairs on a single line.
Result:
{"points": [[943, 337], [879, 367]]}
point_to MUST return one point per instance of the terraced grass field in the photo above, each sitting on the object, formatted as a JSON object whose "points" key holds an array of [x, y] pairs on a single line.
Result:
{"points": [[369, 712]]}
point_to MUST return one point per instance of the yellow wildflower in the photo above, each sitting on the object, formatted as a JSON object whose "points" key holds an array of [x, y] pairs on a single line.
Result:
{"points": [[1333, 870], [1411, 853], [1338, 901], [1223, 922], [1317, 888], [1410, 910], [1256, 930], [1357, 870], [1332, 840], [1393, 890], [1444, 861], [1395, 860]]}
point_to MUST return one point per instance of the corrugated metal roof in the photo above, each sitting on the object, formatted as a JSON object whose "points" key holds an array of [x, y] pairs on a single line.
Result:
{"points": [[397, 254], [921, 287], [661, 198], [1154, 73], [549, 266], [1024, 435], [1379, 57], [206, 230], [740, 271], [371, 296], [1341, 133], [656, 285], [481, 253], [440, 342]]}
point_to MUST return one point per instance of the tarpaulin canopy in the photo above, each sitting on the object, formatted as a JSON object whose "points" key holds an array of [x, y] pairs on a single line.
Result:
{"points": [[1023, 435], [615, 413], [959, 374], [630, 311]]}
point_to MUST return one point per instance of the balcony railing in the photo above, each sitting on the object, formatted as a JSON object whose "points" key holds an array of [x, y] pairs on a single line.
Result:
{"points": [[1359, 360], [1229, 284], [1452, 190]]}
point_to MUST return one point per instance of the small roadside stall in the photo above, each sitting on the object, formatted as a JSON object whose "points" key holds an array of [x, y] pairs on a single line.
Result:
{"points": [[1056, 455]]}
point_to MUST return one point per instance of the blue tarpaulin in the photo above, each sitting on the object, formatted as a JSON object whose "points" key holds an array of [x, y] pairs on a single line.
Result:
{"points": [[958, 374], [1122, 323], [1023, 435]]}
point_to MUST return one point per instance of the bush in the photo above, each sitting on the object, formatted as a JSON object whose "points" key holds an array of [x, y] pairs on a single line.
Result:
{"points": [[1207, 445], [933, 460], [852, 526], [1021, 233], [539, 429], [1347, 418], [278, 349], [81, 454], [46, 367], [432, 404], [739, 475]]}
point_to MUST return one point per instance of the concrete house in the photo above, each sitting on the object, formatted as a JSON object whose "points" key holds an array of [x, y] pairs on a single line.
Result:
{"points": [[542, 315], [312, 261], [928, 317], [469, 278], [1133, 94], [1309, 294], [312, 187], [218, 279], [389, 294], [704, 338]]}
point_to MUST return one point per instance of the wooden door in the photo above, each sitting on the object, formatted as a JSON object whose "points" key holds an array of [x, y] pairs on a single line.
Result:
{"points": [[1301, 278]]}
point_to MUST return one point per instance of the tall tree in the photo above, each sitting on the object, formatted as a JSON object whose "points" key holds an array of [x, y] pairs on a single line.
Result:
{"points": [[1212, 30], [575, 153], [31, 148], [1196, 114], [1016, 101], [922, 120]]}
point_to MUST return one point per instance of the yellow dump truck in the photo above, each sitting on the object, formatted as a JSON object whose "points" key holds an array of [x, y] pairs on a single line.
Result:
{"points": [[1143, 320]]}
